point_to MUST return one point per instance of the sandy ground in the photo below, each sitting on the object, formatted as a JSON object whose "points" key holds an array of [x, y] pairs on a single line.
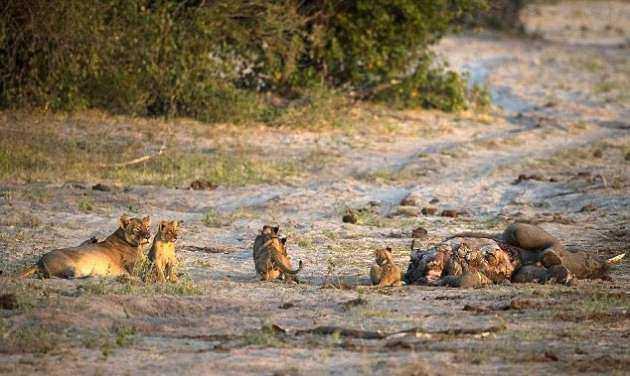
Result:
{"points": [[561, 113]]}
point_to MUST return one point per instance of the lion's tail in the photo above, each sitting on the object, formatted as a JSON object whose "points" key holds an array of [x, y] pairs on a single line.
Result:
{"points": [[29, 271], [615, 260], [284, 268]]}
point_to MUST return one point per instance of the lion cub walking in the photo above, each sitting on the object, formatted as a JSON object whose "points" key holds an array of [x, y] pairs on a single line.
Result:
{"points": [[270, 256], [162, 253], [385, 272]]}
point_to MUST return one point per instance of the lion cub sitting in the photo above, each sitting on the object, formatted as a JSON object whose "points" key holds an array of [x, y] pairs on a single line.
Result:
{"points": [[385, 273], [270, 256], [162, 253]]}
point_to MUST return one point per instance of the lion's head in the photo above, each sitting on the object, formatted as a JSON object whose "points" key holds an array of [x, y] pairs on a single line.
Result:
{"points": [[383, 256], [168, 231], [136, 231]]}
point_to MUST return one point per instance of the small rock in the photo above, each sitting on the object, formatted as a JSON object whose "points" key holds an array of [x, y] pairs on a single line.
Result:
{"points": [[396, 234], [598, 153], [286, 305], [350, 217], [434, 200], [451, 213], [101, 187], [588, 208], [627, 157], [202, 185], [411, 200], [429, 210], [551, 356], [8, 301], [419, 233]]}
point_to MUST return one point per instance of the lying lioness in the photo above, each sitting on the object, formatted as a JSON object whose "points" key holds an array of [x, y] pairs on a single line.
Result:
{"points": [[115, 255]]}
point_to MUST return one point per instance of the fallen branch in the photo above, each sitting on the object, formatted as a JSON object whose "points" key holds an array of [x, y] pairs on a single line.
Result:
{"points": [[135, 161], [343, 332], [366, 334], [217, 249], [500, 326]]}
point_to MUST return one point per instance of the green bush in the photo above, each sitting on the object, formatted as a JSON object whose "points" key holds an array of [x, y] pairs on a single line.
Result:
{"points": [[212, 60]]}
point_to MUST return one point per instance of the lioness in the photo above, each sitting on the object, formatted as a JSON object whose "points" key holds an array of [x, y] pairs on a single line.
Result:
{"points": [[385, 272], [115, 255], [162, 253], [270, 256]]}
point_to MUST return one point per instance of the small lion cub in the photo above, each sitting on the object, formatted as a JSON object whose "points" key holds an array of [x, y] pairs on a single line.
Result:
{"points": [[162, 253], [385, 273]]}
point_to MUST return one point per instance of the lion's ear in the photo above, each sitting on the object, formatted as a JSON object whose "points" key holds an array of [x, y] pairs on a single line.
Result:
{"points": [[276, 229], [146, 221], [161, 226], [177, 224], [283, 240], [389, 249], [123, 221]]}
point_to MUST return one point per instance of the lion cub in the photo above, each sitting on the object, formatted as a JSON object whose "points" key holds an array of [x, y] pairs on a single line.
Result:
{"points": [[162, 253], [270, 256], [385, 273]]}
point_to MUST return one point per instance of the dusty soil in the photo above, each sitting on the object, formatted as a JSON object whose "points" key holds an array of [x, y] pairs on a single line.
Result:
{"points": [[561, 114]]}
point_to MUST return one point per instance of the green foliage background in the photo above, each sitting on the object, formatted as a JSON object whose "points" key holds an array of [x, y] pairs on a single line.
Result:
{"points": [[213, 60]]}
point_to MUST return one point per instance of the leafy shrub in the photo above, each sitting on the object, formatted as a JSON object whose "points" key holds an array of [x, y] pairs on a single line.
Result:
{"points": [[212, 60], [430, 88]]}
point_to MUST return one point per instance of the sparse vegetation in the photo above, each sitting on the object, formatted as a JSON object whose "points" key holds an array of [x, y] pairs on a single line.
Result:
{"points": [[85, 205], [120, 336], [45, 153], [305, 242], [134, 285], [20, 219], [265, 337], [599, 307], [213, 218]]}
